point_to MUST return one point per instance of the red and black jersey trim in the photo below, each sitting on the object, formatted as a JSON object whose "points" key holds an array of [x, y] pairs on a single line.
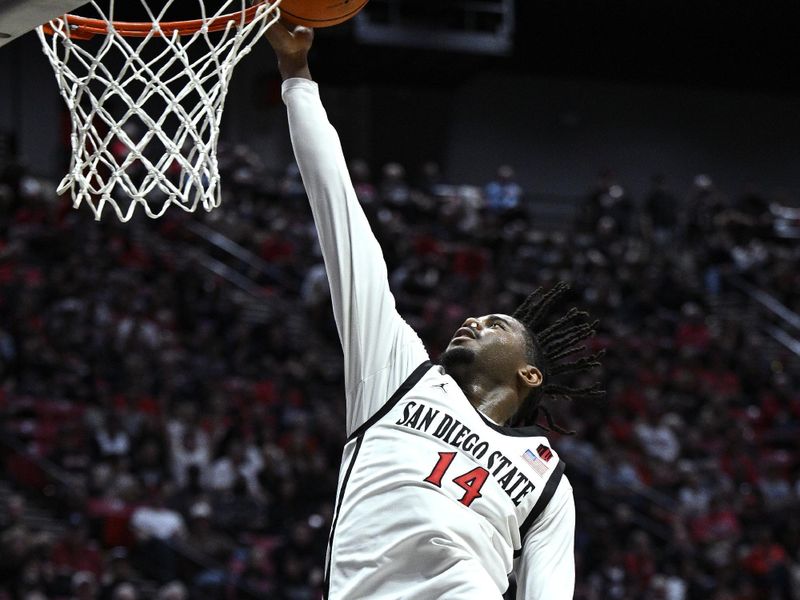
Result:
{"points": [[358, 436], [541, 503]]}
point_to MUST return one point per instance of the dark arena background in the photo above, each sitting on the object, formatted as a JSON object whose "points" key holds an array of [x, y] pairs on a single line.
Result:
{"points": [[171, 391]]}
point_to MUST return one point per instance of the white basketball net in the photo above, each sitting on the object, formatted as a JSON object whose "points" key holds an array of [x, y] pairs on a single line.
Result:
{"points": [[146, 111]]}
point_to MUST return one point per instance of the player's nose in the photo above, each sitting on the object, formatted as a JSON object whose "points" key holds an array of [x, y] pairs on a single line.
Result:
{"points": [[472, 323]]}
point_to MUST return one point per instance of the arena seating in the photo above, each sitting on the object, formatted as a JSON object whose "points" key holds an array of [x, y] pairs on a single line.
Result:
{"points": [[171, 403]]}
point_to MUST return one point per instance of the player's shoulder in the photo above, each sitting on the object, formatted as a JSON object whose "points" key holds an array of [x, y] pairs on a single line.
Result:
{"points": [[565, 489]]}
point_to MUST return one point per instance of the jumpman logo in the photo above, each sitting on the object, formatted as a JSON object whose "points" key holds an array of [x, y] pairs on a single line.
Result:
{"points": [[441, 385]]}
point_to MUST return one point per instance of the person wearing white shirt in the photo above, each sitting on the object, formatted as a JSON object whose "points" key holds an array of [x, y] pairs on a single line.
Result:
{"points": [[438, 496]]}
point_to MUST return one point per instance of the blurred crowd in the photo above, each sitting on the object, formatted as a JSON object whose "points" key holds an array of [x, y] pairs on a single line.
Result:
{"points": [[182, 438]]}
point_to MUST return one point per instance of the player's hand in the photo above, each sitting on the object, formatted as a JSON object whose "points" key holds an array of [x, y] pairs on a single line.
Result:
{"points": [[291, 48], [296, 40]]}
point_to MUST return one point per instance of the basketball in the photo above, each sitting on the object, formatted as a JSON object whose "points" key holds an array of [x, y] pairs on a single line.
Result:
{"points": [[319, 13]]}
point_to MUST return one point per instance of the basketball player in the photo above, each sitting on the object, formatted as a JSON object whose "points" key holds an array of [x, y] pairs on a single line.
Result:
{"points": [[437, 496]]}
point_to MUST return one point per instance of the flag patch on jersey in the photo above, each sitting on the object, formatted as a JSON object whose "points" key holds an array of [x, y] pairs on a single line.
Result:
{"points": [[539, 466], [544, 452]]}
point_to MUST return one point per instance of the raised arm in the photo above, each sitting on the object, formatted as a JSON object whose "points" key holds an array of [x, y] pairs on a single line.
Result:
{"points": [[380, 349]]}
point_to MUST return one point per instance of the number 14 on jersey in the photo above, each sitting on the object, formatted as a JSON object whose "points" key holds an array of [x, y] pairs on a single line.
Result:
{"points": [[471, 482]]}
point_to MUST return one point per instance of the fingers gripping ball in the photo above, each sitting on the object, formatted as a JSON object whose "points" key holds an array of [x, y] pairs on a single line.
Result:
{"points": [[319, 13]]}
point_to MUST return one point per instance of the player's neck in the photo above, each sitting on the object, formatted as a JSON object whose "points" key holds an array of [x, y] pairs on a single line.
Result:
{"points": [[497, 402]]}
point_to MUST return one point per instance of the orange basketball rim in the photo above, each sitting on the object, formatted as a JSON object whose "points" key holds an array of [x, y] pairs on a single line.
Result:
{"points": [[84, 28]]}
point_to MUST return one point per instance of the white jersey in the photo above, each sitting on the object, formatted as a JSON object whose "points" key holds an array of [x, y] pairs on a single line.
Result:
{"points": [[434, 500]]}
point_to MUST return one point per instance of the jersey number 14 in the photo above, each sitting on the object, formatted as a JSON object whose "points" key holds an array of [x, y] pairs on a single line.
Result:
{"points": [[471, 481]]}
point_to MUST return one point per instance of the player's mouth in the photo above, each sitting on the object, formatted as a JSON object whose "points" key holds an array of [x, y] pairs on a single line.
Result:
{"points": [[467, 332]]}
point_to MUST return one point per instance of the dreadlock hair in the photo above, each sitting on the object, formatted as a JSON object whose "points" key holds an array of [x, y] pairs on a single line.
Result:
{"points": [[551, 343]]}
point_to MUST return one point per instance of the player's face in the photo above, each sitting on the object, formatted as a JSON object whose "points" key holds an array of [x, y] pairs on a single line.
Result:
{"points": [[492, 343]]}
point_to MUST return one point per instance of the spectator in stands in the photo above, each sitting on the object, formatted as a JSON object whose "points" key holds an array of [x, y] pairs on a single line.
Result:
{"points": [[111, 439], [713, 415], [608, 205], [656, 438], [238, 461], [503, 195], [189, 444], [158, 529], [694, 496], [393, 188]]}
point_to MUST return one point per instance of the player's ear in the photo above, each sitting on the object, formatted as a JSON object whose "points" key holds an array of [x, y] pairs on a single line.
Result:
{"points": [[530, 377]]}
